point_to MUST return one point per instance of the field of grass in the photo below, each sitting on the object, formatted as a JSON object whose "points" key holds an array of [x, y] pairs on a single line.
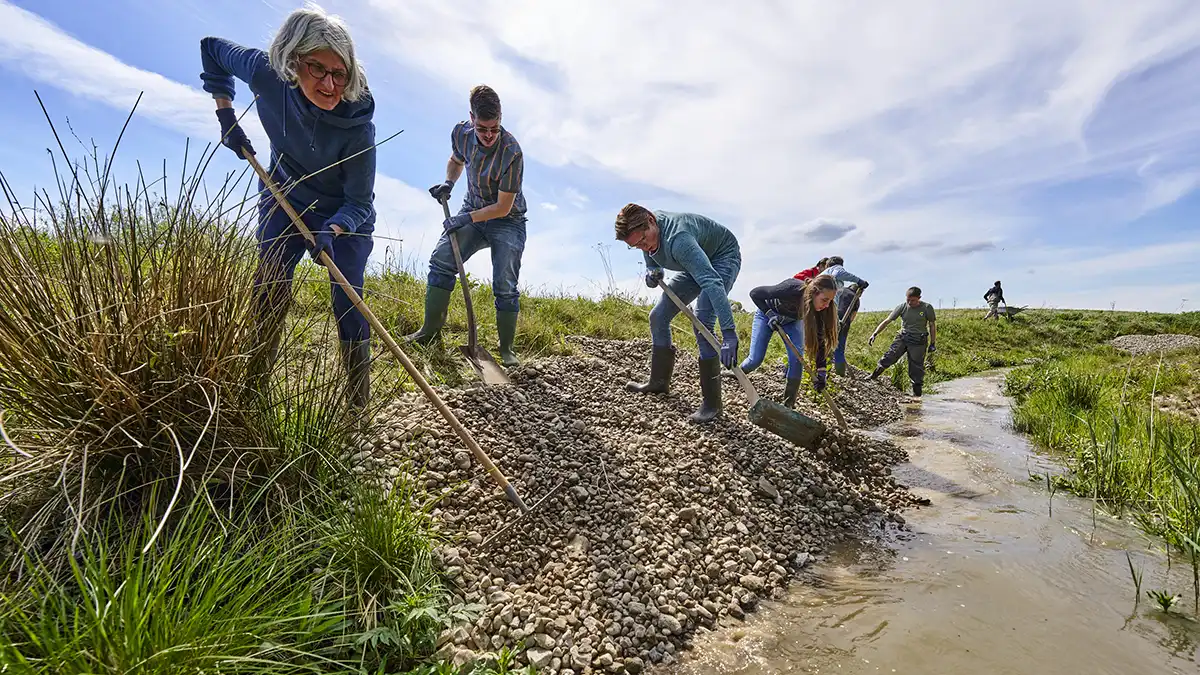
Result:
{"points": [[1103, 412]]}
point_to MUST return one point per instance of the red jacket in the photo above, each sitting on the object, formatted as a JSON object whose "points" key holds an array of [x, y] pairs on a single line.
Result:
{"points": [[807, 274]]}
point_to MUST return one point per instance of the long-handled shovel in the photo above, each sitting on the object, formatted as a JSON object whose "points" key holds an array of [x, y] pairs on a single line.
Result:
{"points": [[787, 424], [479, 358], [844, 321], [825, 395], [415, 374]]}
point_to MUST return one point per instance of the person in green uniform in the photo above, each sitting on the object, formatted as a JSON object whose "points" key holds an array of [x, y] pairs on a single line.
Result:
{"points": [[918, 328]]}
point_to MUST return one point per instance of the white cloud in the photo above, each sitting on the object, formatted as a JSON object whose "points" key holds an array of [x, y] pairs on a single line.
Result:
{"points": [[550, 206]]}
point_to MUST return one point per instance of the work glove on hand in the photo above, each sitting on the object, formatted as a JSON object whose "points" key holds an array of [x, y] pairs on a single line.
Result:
{"points": [[862, 285], [870, 340], [729, 347], [820, 380], [774, 321], [454, 222], [441, 191], [932, 348], [653, 276], [232, 135], [322, 241]]}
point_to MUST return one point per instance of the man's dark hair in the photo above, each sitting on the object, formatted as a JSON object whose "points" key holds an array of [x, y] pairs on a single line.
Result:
{"points": [[632, 218], [997, 283], [836, 260], [485, 103], [914, 292]]}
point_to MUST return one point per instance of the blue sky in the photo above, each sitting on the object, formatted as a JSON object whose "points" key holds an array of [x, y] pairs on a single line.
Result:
{"points": [[1050, 144]]}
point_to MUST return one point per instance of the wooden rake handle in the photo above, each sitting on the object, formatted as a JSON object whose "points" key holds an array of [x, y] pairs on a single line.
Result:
{"points": [[415, 374], [751, 393], [472, 336], [825, 395]]}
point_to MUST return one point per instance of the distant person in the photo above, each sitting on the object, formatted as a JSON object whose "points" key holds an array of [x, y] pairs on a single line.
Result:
{"points": [[847, 306], [993, 297], [314, 104], [709, 258], [918, 327], [812, 272]]}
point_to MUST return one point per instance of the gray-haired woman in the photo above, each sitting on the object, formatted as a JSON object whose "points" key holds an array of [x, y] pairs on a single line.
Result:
{"points": [[314, 104]]}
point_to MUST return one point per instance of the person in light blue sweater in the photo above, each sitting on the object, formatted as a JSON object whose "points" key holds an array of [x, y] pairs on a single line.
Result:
{"points": [[709, 258], [315, 107]]}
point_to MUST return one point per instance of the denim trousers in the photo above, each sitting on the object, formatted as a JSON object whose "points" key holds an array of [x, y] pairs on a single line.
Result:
{"points": [[684, 286], [505, 237], [760, 339]]}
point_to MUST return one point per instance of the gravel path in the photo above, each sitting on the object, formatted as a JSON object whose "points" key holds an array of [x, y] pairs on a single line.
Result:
{"points": [[659, 527], [1153, 344]]}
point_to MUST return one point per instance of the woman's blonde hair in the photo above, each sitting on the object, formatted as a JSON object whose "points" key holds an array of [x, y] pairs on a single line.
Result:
{"points": [[820, 327]]}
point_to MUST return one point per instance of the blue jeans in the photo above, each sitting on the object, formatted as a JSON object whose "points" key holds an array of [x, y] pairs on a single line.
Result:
{"points": [[684, 286], [506, 238], [281, 248], [760, 339]]}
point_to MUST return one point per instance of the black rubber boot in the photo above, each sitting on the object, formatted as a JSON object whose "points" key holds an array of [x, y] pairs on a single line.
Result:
{"points": [[437, 304], [790, 391], [840, 369], [506, 329], [710, 390], [662, 364], [876, 373], [916, 390], [356, 359]]}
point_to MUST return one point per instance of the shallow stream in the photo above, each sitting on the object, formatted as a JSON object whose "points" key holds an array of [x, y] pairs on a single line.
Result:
{"points": [[994, 577]]}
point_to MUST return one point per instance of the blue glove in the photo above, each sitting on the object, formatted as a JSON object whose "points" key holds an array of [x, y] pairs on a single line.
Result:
{"points": [[932, 348], [653, 276], [729, 347], [454, 222], [232, 135], [322, 241], [774, 321], [819, 380], [441, 191]]}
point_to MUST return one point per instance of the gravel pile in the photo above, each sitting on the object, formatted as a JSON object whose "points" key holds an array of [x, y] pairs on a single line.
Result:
{"points": [[1153, 344], [658, 527]]}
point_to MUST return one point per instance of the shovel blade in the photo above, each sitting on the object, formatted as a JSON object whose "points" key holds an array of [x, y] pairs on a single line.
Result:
{"points": [[483, 363], [787, 424]]}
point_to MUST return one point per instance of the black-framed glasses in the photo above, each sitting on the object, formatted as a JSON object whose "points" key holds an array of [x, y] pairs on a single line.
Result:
{"points": [[318, 71]]}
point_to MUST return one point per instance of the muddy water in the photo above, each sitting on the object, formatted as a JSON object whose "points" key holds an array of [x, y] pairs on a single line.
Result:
{"points": [[994, 577]]}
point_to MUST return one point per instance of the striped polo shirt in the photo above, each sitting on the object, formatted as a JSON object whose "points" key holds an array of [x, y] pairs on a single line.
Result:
{"points": [[489, 170]]}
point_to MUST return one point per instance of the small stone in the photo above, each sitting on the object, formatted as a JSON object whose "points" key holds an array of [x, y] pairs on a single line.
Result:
{"points": [[475, 537], [462, 460], [539, 658], [752, 582], [688, 514], [766, 489], [634, 665], [604, 660], [748, 555], [542, 640]]}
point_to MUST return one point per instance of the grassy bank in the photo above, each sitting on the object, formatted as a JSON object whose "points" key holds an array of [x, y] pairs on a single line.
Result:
{"points": [[1111, 418]]}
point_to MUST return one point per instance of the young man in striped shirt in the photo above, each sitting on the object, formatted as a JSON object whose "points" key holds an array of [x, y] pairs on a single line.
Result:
{"points": [[492, 216]]}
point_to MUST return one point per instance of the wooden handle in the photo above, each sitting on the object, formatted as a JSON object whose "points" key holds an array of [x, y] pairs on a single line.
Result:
{"points": [[751, 393], [415, 374], [472, 336], [842, 322], [825, 394]]}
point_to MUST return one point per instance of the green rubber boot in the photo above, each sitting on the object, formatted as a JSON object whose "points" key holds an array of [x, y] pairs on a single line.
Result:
{"points": [[437, 304], [789, 392], [840, 369], [506, 328]]}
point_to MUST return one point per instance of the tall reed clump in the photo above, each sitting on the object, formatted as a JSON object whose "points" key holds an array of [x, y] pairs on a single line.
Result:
{"points": [[1122, 450], [161, 514]]}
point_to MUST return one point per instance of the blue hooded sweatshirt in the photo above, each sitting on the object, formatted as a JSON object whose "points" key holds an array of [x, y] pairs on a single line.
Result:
{"points": [[304, 138]]}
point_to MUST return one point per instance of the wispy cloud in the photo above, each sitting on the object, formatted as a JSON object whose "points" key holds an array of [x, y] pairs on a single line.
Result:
{"points": [[550, 206], [826, 231]]}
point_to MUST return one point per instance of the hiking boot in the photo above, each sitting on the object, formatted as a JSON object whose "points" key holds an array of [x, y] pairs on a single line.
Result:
{"points": [[840, 369], [356, 359], [437, 304], [710, 391], [876, 373], [790, 391], [506, 328], [662, 364]]}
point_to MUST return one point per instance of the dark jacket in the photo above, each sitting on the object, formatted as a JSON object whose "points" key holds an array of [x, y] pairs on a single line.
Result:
{"points": [[304, 138]]}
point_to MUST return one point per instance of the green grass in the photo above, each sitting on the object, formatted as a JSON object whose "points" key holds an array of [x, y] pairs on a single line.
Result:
{"points": [[1102, 413]]}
